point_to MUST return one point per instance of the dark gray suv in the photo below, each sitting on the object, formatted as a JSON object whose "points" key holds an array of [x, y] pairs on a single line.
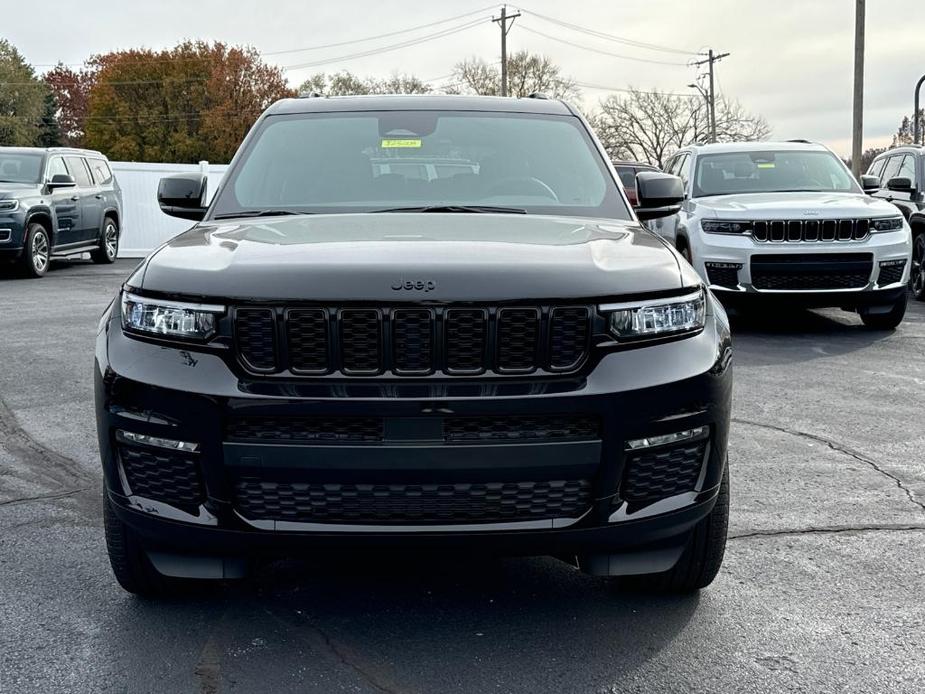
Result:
{"points": [[57, 202]]}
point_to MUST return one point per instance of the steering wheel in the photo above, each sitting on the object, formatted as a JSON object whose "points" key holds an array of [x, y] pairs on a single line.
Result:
{"points": [[526, 185]]}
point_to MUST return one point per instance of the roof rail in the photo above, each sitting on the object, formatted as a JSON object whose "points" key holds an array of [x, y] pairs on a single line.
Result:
{"points": [[310, 95], [538, 95], [802, 140]]}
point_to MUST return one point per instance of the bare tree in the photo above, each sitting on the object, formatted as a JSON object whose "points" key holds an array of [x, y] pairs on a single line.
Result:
{"points": [[345, 83], [527, 73], [650, 126]]}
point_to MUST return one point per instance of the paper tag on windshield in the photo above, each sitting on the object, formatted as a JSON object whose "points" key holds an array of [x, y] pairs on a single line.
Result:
{"points": [[401, 144], [765, 165]]}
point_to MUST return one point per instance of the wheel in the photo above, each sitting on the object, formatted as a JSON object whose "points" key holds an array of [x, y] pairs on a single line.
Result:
{"points": [[887, 320], [129, 562], [685, 251], [917, 277], [702, 556], [109, 243], [36, 254]]}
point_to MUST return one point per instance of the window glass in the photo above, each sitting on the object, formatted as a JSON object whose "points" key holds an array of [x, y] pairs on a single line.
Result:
{"points": [[877, 167], [627, 176], [684, 169], [101, 171], [367, 161], [56, 167], [891, 170], [16, 167], [79, 171], [672, 164], [772, 171], [907, 169]]}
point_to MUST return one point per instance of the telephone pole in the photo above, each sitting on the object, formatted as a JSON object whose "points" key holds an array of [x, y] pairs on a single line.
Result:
{"points": [[857, 129], [502, 21], [711, 101]]}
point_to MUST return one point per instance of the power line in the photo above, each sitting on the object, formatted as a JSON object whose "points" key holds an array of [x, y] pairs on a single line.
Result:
{"points": [[379, 36], [387, 49], [598, 50], [628, 90], [611, 37]]}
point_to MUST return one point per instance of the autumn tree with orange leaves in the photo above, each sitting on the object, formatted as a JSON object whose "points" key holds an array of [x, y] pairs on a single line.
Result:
{"points": [[192, 102]]}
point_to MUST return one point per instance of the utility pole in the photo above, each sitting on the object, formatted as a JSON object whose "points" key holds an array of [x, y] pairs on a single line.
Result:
{"points": [[502, 21], [709, 60], [857, 129], [916, 131]]}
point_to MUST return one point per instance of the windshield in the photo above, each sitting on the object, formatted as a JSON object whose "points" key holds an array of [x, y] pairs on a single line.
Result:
{"points": [[770, 172], [20, 167], [370, 161]]}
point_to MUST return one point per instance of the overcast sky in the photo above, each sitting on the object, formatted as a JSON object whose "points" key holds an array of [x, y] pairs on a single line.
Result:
{"points": [[791, 60]]}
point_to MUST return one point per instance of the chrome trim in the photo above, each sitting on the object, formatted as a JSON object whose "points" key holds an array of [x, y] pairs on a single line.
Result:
{"points": [[6, 235], [629, 305], [203, 308]]}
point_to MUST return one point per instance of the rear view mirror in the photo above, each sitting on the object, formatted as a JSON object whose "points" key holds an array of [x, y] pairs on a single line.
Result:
{"points": [[183, 195], [61, 181], [900, 183], [870, 184], [659, 195]]}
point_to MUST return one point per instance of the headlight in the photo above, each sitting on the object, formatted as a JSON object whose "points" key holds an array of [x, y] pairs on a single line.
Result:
{"points": [[169, 318], [886, 224], [9, 205], [717, 226], [656, 317]]}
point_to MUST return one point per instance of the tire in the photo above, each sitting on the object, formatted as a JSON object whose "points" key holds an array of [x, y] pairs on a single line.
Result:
{"points": [[130, 563], [917, 276], [885, 321], [702, 556], [108, 251], [36, 254], [685, 251]]}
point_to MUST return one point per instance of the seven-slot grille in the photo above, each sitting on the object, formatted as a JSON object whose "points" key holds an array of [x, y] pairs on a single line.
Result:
{"points": [[413, 341], [811, 271], [809, 230]]}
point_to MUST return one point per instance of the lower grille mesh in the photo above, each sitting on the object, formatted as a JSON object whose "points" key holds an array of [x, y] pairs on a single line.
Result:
{"points": [[657, 474], [163, 476], [520, 428], [305, 429], [461, 502]]}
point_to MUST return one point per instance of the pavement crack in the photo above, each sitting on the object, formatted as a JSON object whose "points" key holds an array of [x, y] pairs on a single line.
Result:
{"points": [[43, 497], [835, 446], [834, 530]]}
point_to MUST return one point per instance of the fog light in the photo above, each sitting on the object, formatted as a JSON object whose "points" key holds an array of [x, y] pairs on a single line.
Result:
{"points": [[663, 439], [893, 263], [156, 441]]}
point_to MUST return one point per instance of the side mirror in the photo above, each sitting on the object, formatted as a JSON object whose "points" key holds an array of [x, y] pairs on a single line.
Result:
{"points": [[870, 184], [659, 195], [61, 181], [182, 195], [900, 183]]}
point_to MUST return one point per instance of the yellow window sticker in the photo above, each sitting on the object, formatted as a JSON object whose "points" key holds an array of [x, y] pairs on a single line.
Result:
{"points": [[401, 144], [765, 164]]}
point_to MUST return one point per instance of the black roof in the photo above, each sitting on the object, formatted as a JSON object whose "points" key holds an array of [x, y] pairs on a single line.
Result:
{"points": [[419, 102]]}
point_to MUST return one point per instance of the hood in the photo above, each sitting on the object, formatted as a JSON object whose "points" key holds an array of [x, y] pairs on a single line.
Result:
{"points": [[10, 190], [789, 205], [373, 257]]}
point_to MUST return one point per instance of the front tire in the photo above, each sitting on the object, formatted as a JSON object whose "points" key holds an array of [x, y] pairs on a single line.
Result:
{"points": [[109, 243], [888, 320], [129, 561], [702, 556], [36, 253], [917, 278]]}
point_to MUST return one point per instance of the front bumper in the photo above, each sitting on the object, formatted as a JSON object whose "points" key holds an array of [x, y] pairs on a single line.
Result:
{"points": [[192, 396], [736, 256]]}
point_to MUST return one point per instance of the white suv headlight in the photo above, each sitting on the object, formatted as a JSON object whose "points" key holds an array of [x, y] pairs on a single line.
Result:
{"points": [[656, 317], [886, 224], [169, 318]]}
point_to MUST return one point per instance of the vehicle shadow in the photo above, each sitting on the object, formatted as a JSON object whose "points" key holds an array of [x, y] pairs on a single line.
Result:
{"points": [[427, 625], [772, 335]]}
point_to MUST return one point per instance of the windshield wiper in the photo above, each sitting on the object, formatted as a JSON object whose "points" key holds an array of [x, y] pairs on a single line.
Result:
{"points": [[257, 213], [461, 209]]}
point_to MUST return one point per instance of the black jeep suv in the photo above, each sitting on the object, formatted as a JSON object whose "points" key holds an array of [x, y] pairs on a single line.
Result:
{"points": [[339, 356], [57, 202]]}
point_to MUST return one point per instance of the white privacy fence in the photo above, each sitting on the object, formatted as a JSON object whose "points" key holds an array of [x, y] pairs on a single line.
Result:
{"points": [[144, 226]]}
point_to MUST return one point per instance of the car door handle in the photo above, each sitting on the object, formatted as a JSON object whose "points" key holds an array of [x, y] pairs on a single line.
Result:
{"points": [[75, 198], [98, 196]]}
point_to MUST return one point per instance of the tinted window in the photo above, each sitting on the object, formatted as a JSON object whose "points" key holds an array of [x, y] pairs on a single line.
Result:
{"points": [[772, 171], [100, 170], [891, 170], [17, 167], [876, 167], [79, 171], [627, 176], [907, 169], [366, 161], [56, 167]]}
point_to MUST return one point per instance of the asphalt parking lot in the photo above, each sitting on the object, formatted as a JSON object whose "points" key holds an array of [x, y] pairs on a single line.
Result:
{"points": [[822, 588]]}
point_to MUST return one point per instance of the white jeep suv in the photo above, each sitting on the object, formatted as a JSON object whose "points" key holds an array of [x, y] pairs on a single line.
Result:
{"points": [[788, 220]]}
